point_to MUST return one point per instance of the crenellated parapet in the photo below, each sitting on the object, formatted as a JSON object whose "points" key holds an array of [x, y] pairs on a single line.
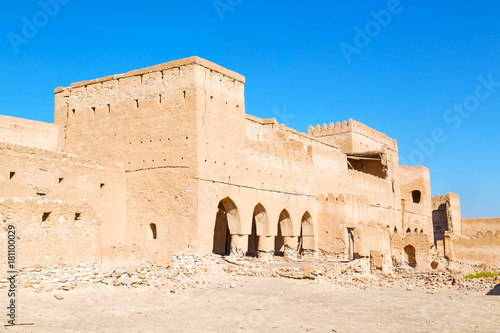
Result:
{"points": [[352, 126]]}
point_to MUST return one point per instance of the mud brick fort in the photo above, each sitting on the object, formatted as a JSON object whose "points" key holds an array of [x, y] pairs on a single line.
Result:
{"points": [[140, 165]]}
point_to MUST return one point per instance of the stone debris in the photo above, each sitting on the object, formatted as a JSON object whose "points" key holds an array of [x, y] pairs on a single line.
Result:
{"points": [[191, 271]]}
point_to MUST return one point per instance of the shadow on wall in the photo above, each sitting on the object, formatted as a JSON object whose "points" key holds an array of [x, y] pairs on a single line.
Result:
{"points": [[495, 291]]}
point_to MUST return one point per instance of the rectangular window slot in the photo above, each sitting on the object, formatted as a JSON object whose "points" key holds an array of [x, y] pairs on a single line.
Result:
{"points": [[136, 103], [109, 108], [12, 174], [74, 111], [42, 194], [159, 98], [78, 217], [45, 216], [93, 109]]}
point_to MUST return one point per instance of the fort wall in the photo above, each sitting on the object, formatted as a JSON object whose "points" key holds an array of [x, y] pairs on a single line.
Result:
{"points": [[43, 174], [172, 161], [147, 120], [51, 232], [28, 133], [478, 249], [470, 227]]}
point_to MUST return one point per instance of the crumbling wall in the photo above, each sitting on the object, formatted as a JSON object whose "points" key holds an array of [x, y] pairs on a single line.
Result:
{"points": [[402, 247], [371, 237], [446, 216], [336, 215]]}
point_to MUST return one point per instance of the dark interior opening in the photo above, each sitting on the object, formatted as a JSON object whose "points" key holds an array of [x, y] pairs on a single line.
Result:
{"points": [[416, 196], [370, 163]]}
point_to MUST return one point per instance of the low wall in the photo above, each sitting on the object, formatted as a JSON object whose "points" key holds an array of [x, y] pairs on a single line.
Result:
{"points": [[470, 227], [484, 249]]}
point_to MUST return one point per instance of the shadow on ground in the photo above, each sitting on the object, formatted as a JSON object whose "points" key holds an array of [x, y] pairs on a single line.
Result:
{"points": [[495, 290]]}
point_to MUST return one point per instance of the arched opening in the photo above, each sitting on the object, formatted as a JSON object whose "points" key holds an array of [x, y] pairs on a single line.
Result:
{"points": [[252, 240], [410, 257], [408, 231], [395, 230], [416, 230], [306, 233], [416, 196], [152, 231], [260, 226], [227, 214], [284, 227], [421, 231]]}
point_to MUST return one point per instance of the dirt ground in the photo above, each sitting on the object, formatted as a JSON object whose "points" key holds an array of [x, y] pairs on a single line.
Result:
{"points": [[249, 304]]}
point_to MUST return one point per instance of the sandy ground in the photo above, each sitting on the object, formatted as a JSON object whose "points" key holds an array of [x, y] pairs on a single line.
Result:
{"points": [[258, 305]]}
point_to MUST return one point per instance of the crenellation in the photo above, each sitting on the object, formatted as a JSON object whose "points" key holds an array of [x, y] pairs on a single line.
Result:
{"points": [[351, 126]]}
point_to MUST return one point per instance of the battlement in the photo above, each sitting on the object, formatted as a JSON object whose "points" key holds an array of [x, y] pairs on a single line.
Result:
{"points": [[352, 126], [439, 200]]}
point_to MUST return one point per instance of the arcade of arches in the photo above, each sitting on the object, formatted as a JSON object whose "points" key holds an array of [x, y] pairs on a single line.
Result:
{"points": [[265, 238]]}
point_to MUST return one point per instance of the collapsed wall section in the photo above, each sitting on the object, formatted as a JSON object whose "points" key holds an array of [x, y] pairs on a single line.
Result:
{"points": [[446, 216]]}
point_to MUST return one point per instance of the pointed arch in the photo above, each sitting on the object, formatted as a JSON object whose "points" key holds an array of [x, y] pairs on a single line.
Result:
{"points": [[261, 220], [410, 256], [307, 228], [260, 227], [227, 221], [306, 233], [233, 215], [285, 229]]}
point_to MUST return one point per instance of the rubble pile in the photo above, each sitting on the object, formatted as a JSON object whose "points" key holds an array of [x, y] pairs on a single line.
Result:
{"points": [[189, 271]]}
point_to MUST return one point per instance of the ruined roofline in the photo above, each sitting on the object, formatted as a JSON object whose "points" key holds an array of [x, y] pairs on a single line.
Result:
{"points": [[168, 65], [353, 126]]}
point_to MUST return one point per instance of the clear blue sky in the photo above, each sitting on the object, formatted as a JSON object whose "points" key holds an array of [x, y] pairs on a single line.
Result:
{"points": [[403, 78]]}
